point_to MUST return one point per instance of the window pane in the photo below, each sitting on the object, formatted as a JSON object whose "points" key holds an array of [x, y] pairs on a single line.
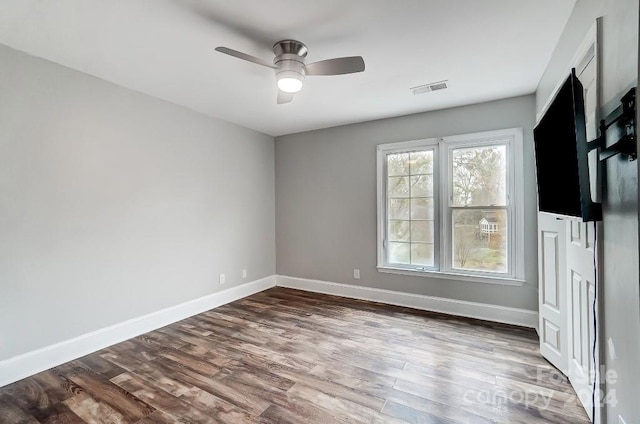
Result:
{"points": [[398, 164], [422, 231], [422, 186], [398, 208], [422, 254], [480, 240], [479, 176], [421, 162], [399, 253], [410, 213], [398, 186], [399, 230], [422, 208]]}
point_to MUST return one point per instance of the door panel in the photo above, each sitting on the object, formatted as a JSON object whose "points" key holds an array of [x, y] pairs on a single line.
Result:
{"points": [[551, 270], [551, 335], [552, 290], [576, 319]]}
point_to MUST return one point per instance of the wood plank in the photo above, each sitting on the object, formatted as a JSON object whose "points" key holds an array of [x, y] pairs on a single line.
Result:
{"points": [[438, 409], [219, 409], [345, 409], [234, 394], [197, 364], [409, 415], [149, 393], [39, 393], [171, 406], [296, 412], [93, 411], [161, 417], [102, 389], [327, 386], [10, 412], [160, 340], [101, 366], [61, 414], [154, 376]]}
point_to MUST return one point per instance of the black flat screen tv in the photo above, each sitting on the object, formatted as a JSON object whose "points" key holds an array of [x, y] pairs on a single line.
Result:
{"points": [[562, 163]]}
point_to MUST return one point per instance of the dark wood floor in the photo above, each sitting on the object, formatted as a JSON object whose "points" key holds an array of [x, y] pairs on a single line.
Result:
{"points": [[286, 356]]}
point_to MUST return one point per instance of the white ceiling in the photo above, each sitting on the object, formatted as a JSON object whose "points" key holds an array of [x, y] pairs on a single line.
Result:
{"points": [[487, 49]]}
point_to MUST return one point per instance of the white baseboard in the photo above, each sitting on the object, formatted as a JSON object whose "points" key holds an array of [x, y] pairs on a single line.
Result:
{"points": [[19, 367], [484, 311]]}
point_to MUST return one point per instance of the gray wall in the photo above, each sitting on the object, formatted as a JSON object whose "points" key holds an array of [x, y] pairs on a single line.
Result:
{"points": [[621, 296], [114, 204], [326, 200]]}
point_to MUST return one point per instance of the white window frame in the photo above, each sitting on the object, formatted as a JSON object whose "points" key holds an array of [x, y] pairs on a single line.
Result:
{"points": [[442, 192]]}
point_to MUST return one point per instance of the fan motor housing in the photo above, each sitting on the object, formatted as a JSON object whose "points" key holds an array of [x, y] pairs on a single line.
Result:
{"points": [[290, 62], [290, 55], [292, 47]]}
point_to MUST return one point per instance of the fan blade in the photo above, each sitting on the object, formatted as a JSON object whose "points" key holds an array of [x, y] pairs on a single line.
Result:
{"points": [[245, 56], [284, 97], [337, 66]]}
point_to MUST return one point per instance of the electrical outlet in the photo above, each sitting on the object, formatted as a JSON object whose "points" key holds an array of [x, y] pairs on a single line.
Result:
{"points": [[222, 279], [244, 273], [356, 274]]}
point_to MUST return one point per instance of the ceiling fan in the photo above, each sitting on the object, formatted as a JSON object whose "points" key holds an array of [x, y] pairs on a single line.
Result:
{"points": [[290, 67]]}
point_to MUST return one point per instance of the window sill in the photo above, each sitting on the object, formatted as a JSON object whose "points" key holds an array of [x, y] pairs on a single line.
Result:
{"points": [[505, 281]]}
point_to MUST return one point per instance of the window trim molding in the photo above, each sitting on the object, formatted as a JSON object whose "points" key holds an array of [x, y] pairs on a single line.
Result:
{"points": [[443, 146], [473, 278]]}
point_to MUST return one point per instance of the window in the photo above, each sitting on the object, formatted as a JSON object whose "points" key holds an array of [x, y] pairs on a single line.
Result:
{"points": [[453, 207]]}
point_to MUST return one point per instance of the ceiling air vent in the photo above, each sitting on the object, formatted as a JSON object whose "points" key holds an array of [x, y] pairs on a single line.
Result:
{"points": [[427, 88]]}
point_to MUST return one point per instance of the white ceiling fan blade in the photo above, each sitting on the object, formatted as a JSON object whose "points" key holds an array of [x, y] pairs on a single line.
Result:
{"points": [[337, 66], [284, 97], [246, 57]]}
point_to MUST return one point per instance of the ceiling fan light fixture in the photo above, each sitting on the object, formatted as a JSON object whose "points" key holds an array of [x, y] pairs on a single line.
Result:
{"points": [[290, 81], [290, 66]]}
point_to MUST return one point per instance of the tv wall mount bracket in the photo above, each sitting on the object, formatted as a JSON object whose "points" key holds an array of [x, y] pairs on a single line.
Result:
{"points": [[620, 127]]}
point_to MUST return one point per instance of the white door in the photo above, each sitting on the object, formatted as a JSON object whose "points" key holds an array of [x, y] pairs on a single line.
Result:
{"points": [[566, 270], [581, 272], [552, 290], [581, 290]]}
